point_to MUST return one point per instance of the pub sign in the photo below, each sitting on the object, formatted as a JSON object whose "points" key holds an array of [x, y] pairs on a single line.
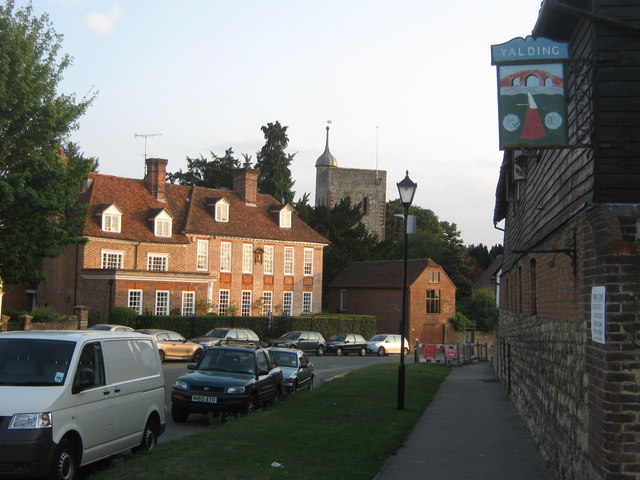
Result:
{"points": [[531, 92]]}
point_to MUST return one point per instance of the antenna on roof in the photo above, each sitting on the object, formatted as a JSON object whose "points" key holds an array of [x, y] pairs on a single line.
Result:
{"points": [[146, 135]]}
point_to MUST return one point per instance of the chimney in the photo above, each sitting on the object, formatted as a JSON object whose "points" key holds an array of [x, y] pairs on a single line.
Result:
{"points": [[156, 177], [245, 183]]}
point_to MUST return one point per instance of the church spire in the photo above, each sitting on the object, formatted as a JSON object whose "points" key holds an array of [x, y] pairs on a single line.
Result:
{"points": [[326, 159]]}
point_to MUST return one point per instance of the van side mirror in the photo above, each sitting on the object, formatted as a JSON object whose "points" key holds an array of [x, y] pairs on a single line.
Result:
{"points": [[86, 378]]}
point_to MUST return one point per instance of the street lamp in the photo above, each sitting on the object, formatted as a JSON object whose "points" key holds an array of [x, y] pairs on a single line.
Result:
{"points": [[407, 190]]}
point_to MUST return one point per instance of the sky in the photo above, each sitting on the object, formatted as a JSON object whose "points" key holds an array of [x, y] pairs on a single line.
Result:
{"points": [[408, 85]]}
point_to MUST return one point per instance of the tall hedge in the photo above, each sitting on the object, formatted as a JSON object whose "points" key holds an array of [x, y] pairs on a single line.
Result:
{"points": [[267, 328]]}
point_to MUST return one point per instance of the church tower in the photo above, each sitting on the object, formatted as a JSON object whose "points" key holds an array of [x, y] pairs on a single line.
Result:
{"points": [[365, 187]]}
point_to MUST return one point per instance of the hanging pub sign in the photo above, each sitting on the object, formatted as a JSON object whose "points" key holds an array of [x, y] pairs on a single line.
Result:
{"points": [[531, 92]]}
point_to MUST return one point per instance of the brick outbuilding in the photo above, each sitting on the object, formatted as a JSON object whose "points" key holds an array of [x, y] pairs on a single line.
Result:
{"points": [[375, 288]]}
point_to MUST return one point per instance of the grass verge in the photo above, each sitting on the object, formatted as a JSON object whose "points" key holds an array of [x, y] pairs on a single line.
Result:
{"points": [[345, 430]]}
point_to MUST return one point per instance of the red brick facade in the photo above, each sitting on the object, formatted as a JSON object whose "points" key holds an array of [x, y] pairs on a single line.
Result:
{"points": [[182, 272], [375, 288]]}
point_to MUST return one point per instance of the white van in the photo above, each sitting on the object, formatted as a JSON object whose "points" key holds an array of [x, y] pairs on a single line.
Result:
{"points": [[70, 398]]}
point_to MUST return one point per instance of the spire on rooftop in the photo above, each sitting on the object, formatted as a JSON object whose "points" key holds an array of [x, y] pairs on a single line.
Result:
{"points": [[326, 159]]}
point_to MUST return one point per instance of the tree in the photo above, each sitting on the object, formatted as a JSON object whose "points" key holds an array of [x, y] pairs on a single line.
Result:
{"points": [[214, 173], [342, 226], [434, 239], [38, 191], [273, 163], [481, 309]]}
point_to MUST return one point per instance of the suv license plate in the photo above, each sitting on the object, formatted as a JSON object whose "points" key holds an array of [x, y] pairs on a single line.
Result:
{"points": [[202, 398]]}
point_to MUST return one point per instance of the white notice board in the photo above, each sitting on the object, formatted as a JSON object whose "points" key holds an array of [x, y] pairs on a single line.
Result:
{"points": [[599, 314]]}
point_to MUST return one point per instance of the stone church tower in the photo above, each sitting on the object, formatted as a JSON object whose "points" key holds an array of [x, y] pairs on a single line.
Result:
{"points": [[364, 187]]}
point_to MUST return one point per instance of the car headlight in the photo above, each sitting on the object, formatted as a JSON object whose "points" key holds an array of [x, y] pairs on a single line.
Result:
{"points": [[235, 389], [181, 385], [31, 421]]}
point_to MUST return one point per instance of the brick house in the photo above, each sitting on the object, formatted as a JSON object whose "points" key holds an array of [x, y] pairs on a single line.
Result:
{"points": [[375, 288], [163, 248], [573, 223]]}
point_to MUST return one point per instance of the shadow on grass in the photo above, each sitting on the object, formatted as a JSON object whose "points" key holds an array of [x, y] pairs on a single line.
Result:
{"points": [[347, 429]]}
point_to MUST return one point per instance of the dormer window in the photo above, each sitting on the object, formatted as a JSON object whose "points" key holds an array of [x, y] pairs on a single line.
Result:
{"points": [[285, 217], [111, 219], [222, 210], [162, 224]]}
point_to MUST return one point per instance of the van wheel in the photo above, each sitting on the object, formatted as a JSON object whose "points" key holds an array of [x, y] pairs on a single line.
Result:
{"points": [[149, 437], [178, 414], [65, 462]]}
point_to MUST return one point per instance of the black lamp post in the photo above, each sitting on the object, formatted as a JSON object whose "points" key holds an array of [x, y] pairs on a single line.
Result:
{"points": [[407, 190]]}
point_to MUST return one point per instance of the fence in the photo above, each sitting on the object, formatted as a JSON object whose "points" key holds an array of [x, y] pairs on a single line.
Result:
{"points": [[454, 354]]}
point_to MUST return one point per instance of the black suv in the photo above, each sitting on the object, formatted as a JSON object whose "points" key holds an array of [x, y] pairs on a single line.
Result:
{"points": [[228, 379], [305, 341], [224, 335]]}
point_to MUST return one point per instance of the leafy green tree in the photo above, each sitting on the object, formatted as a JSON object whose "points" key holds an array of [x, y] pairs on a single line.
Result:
{"points": [[481, 309], [38, 191], [214, 173], [273, 163], [461, 322], [342, 226], [435, 239]]}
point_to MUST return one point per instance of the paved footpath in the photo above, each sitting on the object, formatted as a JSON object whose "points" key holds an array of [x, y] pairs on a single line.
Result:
{"points": [[469, 431]]}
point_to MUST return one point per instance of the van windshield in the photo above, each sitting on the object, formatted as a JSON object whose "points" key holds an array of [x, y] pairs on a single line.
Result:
{"points": [[34, 363]]}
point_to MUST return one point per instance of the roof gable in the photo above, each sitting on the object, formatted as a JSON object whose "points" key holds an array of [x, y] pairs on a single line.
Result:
{"points": [[383, 274]]}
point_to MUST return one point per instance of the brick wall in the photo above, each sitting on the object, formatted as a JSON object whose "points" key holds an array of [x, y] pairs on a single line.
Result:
{"points": [[94, 290], [386, 305], [431, 327], [579, 399]]}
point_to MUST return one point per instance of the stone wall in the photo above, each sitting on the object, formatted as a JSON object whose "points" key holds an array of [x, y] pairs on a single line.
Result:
{"points": [[579, 398], [542, 362]]}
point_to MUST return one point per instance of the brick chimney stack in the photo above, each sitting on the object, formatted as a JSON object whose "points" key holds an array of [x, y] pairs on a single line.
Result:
{"points": [[245, 183], [156, 177]]}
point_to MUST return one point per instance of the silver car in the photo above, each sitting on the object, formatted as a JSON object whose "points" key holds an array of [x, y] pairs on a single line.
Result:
{"points": [[296, 368], [385, 343], [108, 327]]}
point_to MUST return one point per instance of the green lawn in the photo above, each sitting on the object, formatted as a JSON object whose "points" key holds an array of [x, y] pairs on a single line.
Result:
{"points": [[345, 430]]}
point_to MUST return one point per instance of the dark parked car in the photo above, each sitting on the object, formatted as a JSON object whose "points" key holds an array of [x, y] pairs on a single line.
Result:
{"points": [[305, 341], [346, 343], [296, 368], [221, 336], [173, 346], [235, 379]]}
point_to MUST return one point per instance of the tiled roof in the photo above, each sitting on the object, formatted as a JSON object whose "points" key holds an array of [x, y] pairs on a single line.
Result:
{"points": [[191, 215], [381, 274]]}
